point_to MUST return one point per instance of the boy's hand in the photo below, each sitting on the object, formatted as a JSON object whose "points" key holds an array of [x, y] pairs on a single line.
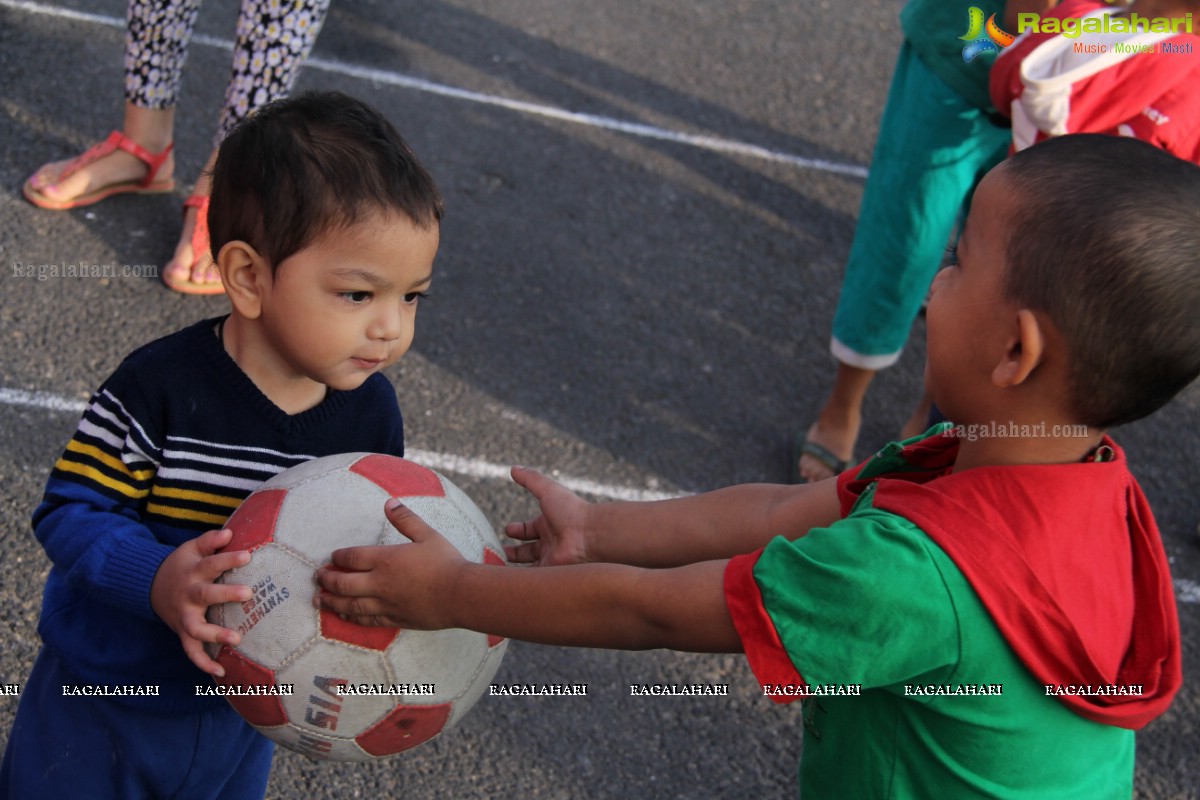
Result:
{"points": [[559, 535], [184, 588], [404, 585]]}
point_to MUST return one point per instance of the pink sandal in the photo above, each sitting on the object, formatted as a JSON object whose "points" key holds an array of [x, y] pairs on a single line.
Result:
{"points": [[115, 141], [201, 248]]}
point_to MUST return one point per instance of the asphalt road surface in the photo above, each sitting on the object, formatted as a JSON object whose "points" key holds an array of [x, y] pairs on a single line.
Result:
{"points": [[649, 204]]}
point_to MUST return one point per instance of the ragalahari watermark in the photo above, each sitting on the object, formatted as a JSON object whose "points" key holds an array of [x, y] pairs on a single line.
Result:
{"points": [[82, 269]]}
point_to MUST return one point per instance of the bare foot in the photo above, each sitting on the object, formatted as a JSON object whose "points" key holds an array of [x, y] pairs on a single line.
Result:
{"points": [[113, 168], [838, 438]]}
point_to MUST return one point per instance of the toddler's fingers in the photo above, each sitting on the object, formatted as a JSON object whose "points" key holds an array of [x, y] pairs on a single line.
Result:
{"points": [[196, 652], [210, 594], [212, 541], [216, 565], [196, 627]]}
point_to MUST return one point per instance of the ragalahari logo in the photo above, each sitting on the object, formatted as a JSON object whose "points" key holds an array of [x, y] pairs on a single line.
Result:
{"points": [[981, 37]]}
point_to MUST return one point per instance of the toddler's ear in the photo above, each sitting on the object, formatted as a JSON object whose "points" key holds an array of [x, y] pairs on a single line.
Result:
{"points": [[1023, 352], [245, 274]]}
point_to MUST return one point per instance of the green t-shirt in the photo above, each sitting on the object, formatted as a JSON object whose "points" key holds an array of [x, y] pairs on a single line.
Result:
{"points": [[933, 28], [873, 601]]}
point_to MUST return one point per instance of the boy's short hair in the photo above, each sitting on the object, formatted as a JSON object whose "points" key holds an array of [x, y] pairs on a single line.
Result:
{"points": [[302, 166], [1104, 238]]}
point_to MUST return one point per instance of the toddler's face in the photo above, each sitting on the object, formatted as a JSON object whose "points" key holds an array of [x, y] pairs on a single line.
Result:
{"points": [[345, 306]]}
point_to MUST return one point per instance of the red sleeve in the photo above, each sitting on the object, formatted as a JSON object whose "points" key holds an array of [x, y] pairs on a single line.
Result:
{"points": [[764, 650]]}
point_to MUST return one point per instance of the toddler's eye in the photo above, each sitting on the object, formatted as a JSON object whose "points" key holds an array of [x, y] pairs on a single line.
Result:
{"points": [[413, 297], [356, 297], [952, 255]]}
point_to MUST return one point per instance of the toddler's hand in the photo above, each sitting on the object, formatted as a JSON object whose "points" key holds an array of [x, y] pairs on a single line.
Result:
{"points": [[184, 588]]}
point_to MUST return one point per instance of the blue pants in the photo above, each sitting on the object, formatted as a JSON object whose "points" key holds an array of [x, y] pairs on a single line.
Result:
{"points": [[94, 748]]}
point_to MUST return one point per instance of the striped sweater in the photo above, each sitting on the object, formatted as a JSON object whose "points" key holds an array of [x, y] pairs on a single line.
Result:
{"points": [[166, 450]]}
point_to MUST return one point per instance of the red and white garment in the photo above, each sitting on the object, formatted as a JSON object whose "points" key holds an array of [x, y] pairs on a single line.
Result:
{"points": [[1051, 84]]}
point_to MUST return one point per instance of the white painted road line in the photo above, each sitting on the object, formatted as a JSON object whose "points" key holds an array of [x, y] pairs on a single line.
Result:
{"points": [[389, 78], [460, 465]]}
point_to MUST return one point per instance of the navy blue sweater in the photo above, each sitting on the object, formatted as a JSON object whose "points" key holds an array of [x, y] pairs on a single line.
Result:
{"points": [[166, 450]]}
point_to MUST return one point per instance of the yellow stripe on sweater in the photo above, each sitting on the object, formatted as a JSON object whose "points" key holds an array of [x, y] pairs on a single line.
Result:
{"points": [[109, 460], [197, 496], [99, 477], [185, 513]]}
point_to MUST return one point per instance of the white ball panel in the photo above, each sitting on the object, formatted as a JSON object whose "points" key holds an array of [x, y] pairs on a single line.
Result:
{"points": [[280, 618], [316, 705], [449, 520], [342, 509], [471, 512], [311, 469], [317, 746], [479, 687], [450, 659]]}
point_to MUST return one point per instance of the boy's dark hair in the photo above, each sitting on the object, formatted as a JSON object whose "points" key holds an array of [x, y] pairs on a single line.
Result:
{"points": [[302, 166], [1104, 238]]}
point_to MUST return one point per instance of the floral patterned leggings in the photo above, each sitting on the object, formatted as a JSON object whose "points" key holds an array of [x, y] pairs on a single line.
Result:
{"points": [[274, 37]]}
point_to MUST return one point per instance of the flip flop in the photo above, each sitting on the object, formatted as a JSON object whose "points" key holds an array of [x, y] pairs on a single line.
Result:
{"points": [[201, 247], [115, 141], [801, 446]]}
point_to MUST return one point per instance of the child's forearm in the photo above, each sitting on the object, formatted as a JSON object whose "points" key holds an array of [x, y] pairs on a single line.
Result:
{"points": [[93, 541], [428, 585], [596, 605], [704, 527]]}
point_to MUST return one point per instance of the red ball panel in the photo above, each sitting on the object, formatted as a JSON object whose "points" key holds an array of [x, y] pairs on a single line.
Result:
{"points": [[493, 558], [371, 637], [399, 477], [265, 710], [253, 524], [405, 727]]}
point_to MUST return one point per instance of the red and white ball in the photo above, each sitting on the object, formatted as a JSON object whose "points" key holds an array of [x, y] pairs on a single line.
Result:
{"points": [[358, 692]]}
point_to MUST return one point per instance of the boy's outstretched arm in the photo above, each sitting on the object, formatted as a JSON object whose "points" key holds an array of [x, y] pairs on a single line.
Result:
{"points": [[666, 533], [428, 585]]}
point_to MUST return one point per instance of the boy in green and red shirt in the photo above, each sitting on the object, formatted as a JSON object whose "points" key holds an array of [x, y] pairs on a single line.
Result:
{"points": [[995, 590]]}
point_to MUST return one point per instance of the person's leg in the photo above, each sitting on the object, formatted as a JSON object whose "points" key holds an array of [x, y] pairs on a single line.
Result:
{"points": [[828, 445], [273, 42], [156, 39], [93, 747], [192, 269], [85, 745], [927, 156], [232, 760]]}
